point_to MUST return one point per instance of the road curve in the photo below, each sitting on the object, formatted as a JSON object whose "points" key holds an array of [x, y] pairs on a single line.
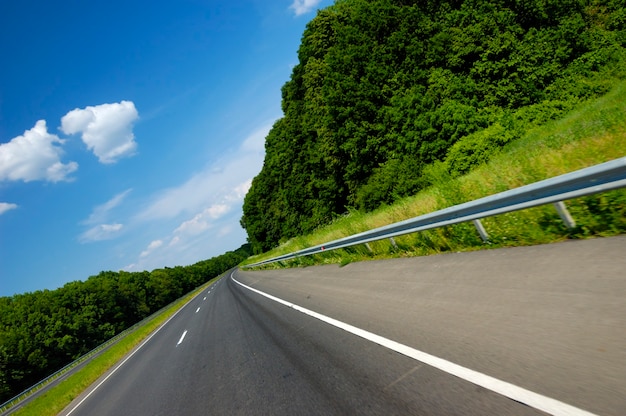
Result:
{"points": [[550, 320]]}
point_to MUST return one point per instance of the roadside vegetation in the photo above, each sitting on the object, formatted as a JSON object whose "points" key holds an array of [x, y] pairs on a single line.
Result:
{"points": [[42, 331], [59, 397], [392, 99], [396, 108], [591, 133]]}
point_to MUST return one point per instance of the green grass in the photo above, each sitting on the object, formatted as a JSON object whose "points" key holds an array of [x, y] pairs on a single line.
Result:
{"points": [[592, 133], [59, 397]]}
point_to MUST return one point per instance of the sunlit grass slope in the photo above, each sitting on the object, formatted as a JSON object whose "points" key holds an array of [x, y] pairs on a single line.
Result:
{"points": [[59, 397], [593, 133]]}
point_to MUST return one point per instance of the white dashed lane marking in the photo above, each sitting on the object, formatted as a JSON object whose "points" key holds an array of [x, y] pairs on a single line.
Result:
{"points": [[182, 337]]}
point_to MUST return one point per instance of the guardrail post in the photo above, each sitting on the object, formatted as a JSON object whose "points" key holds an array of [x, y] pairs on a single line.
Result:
{"points": [[481, 230], [588, 181], [564, 214], [367, 245], [393, 243]]}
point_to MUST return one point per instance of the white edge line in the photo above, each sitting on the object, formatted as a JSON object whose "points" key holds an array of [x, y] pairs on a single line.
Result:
{"points": [[127, 358], [520, 394]]}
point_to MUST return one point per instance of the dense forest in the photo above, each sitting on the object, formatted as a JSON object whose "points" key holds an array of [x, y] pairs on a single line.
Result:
{"points": [[41, 332], [385, 88]]}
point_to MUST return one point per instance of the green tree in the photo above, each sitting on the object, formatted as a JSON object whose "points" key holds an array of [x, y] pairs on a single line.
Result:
{"points": [[386, 87]]}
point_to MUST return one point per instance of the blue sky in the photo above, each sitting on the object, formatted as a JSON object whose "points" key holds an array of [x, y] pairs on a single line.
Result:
{"points": [[130, 130]]}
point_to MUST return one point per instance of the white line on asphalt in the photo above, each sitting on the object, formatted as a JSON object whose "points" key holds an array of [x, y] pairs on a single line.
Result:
{"points": [[204, 298], [182, 337], [126, 359], [520, 394], [198, 310]]}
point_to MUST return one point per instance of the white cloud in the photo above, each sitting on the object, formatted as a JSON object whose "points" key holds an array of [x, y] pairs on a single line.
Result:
{"points": [[202, 213], [99, 216], [101, 232], [301, 7], [196, 225], [240, 191], [217, 210], [106, 129], [5, 206], [202, 222], [151, 247], [100, 212], [255, 142], [214, 183], [34, 156], [155, 244]]}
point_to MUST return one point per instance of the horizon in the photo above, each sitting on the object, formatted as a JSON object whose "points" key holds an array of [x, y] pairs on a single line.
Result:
{"points": [[132, 148]]}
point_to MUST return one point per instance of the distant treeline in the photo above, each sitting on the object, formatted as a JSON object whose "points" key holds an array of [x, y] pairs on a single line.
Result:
{"points": [[386, 88], [41, 332]]}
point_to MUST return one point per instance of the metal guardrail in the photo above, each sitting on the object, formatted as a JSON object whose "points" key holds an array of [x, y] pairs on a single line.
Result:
{"points": [[595, 179], [9, 404], [56, 375]]}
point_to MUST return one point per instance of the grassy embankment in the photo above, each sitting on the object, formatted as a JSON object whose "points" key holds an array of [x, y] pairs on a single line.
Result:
{"points": [[593, 133], [57, 398]]}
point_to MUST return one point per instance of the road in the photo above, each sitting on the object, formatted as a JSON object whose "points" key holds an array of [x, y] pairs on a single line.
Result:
{"points": [[520, 331]]}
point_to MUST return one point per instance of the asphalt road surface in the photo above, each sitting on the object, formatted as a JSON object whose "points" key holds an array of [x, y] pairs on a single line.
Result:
{"points": [[520, 331]]}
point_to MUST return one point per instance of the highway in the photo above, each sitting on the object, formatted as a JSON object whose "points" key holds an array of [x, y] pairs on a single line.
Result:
{"points": [[517, 331]]}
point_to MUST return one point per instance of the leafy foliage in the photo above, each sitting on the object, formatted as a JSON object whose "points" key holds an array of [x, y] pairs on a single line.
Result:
{"points": [[384, 88], [40, 332]]}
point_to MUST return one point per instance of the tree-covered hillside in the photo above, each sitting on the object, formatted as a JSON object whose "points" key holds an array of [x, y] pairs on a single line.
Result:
{"points": [[41, 332], [384, 88]]}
